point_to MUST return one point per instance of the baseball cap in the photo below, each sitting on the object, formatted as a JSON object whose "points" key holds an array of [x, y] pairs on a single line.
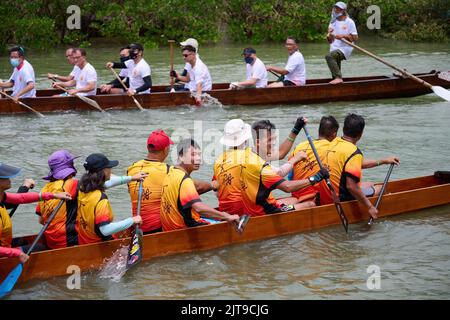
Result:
{"points": [[98, 161], [7, 172], [190, 42], [341, 5], [137, 46], [248, 51], [158, 140]]}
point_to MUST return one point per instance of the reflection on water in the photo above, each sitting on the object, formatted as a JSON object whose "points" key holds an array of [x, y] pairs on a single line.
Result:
{"points": [[411, 250]]}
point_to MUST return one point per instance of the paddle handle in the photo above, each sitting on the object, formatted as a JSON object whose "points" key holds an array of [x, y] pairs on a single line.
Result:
{"points": [[388, 64], [50, 219], [172, 80], [22, 104], [126, 89], [383, 188], [336, 200]]}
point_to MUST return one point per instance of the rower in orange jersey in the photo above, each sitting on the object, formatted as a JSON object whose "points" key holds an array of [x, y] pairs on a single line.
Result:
{"points": [[7, 198], [345, 162], [95, 216], [259, 179], [158, 147], [181, 205]]}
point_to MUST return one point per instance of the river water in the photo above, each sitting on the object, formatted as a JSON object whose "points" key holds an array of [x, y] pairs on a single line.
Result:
{"points": [[411, 250]]}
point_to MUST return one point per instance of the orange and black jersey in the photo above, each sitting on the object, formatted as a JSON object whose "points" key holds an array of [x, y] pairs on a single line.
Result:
{"points": [[5, 227], [258, 179], [61, 232], [178, 196], [94, 211]]}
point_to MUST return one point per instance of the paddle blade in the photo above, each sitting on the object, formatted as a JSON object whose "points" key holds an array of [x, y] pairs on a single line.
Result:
{"points": [[9, 282], [91, 102], [135, 252], [441, 92]]}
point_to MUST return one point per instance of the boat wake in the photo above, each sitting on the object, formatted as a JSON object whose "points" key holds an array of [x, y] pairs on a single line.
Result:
{"points": [[209, 101], [114, 268]]}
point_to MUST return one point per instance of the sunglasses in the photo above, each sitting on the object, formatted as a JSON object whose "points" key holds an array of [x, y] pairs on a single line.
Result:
{"points": [[186, 55]]}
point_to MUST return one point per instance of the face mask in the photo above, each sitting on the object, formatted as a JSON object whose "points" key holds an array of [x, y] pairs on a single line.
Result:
{"points": [[133, 54], [14, 62], [335, 16], [249, 60], [123, 59]]}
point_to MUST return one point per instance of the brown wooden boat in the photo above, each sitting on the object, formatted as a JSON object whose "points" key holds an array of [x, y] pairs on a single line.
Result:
{"points": [[315, 91], [401, 196]]}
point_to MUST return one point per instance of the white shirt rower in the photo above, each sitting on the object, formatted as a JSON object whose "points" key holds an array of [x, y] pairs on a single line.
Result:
{"points": [[257, 71], [137, 73], [83, 77], [199, 75], [21, 77], [296, 68], [346, 26]]}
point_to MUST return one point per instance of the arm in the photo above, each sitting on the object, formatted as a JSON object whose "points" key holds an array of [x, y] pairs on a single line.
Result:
{"points": [[294, 185], [119, 180], [116, 83], [29, 87], [27, 185], [370, 163], [7, 84], [209, 212], [281, 71], [355, 190], [30, 197], [52, 76], [10, 252], [184, 77], [286, 168], [147, 84], [114, 227], [89, 87], [286, 146], [66, 84], [205, 186]]}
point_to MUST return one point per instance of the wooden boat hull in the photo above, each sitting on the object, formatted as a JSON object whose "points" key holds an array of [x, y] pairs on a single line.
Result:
{"points": [[401, 196], [315, 91]]}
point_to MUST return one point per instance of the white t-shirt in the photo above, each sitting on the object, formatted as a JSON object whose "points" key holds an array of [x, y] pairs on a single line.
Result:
{"points": [[191, 84], [344, 27], [83, 77], [124, 73], [137, 73], [21, 78], [258, 71], [199, 74], [297, 70], [74, 71]]}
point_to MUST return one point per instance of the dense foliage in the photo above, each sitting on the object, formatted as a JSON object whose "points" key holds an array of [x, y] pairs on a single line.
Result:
{"points": [[42, 23]]}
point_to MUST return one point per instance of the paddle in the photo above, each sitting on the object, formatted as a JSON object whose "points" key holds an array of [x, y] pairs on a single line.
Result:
{"points": [[243, 220], [280, 77], [135, 251], [336, 200], [441, 92], [382, 190], [22, 104], [85, 99], [8, 284], [126, 89], [171, 42]]}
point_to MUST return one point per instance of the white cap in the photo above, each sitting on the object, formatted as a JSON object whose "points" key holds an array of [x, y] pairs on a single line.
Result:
{"points": [[236, 132], [341, 5], [190, 42]]}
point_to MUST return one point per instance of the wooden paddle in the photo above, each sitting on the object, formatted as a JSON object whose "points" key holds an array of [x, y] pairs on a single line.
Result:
{"points": [[336, 200], [382, 190], [135, 251], [85, 99], [441, 92], [8, 284], [279, 76], [172, 80], [126, 89], [22, 104]]}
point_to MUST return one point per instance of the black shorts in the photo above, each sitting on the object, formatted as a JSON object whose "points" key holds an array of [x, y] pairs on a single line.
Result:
{"points": [[288, 83], [282, 208], [367, 191]]}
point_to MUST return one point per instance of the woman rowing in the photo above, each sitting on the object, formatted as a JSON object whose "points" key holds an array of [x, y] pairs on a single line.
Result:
{"points": [[61, 232], [95, 217], [6, 173]]}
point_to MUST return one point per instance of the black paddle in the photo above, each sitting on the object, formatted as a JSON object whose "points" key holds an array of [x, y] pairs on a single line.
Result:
{"points": [[382, 191], [8, 284], [336, 200], [243, 220], [135, 251]]}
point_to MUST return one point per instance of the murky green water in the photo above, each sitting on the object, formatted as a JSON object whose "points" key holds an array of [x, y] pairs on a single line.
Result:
{"points": [[412, 250]]}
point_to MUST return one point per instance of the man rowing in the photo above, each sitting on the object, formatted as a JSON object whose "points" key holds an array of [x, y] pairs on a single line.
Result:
{"points": [[22, 79], [85, 77], [198, 77], [71, 61], [185, 86], [139, 71], [345, 163], [158, 147], [181, 206], [8, 172], [341, 27], [95, 216], [256, 72], [114, 86], [295, 70], [259, 179]]}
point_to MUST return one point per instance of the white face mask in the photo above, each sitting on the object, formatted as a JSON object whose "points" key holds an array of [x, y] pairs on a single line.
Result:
{"points": [[335, 16]]}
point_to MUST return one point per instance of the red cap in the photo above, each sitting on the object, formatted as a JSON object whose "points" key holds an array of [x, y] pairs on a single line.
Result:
{"points": [[159, 140]]}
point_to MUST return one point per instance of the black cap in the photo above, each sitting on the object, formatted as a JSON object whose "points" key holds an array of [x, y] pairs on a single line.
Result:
{"points": [[137, 46], [7, 172], [248, 51], [98, 161]]}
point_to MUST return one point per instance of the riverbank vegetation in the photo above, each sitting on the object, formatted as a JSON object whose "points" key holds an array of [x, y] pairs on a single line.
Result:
{"points": [[42, 23]]}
